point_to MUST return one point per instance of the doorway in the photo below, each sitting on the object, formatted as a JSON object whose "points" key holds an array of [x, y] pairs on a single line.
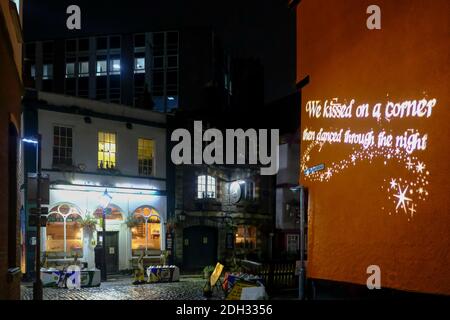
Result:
{"points": [[112, 250], [199, 247]]}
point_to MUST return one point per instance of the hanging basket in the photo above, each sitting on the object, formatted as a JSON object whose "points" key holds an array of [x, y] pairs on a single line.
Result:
{"points": [[89, 224]]}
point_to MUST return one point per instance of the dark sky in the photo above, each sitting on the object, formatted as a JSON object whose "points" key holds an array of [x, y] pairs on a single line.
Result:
{"points": [[250, 28]]}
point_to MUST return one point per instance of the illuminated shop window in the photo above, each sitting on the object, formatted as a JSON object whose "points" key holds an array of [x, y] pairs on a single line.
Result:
{"points": [[47, 72], [64, 232], [83, 69], [70, 70], [106, 150], [146, 234], [146, 149], [139, 65], [62, 145], [246, 237], [206, 187], [101, 68]]}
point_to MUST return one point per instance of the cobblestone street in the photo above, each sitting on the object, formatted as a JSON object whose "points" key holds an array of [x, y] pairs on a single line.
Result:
{"points": [[122, 289]]}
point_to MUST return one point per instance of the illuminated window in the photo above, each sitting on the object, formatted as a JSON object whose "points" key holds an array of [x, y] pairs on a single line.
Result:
{"points": [[146, 235], [83, 69], [146, 149], [33, 71], [246, 237], [114, 66], [106, 150], [139, 65], [206, 187], [64, 232], [70, 70], [47, 72], [101, 68], [62, 145]]}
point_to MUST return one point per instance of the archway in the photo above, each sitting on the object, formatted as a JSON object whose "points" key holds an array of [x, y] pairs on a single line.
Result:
{"points": [[145, 231]]}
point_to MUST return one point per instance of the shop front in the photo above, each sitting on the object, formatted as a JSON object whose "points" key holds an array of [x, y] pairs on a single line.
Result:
{"points": [[135, 226]]}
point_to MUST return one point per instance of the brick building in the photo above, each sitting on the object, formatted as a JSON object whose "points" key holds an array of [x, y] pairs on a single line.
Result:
{"points": [[10, 96]]}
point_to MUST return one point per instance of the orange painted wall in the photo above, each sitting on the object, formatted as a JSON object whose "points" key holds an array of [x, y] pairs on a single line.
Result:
{"points": [[352, 218]]}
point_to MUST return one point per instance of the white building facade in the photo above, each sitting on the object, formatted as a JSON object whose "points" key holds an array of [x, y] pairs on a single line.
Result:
{"points": [[89, 148]]}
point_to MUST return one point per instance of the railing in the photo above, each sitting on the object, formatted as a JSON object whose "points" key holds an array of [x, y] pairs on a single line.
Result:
{"points": [[276, 275]]}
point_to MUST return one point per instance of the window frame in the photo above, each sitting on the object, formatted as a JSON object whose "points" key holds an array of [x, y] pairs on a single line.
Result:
{"points": [[60, 146], [73, 210], [47, 71], [109, 151], [152, 159], [206, 187]]}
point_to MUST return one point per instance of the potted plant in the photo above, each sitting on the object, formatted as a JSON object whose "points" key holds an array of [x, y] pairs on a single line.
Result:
{"points": [[89, 224], [207, 271], [132, 221]]}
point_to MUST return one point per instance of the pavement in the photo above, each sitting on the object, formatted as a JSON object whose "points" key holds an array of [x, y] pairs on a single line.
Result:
{"points": [[121, 288]]}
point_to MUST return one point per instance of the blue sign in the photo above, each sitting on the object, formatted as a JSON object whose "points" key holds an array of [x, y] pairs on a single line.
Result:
{"points": [[314, 169]]}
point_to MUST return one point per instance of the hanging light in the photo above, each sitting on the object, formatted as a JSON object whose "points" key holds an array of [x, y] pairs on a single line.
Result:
{"points": [[105, 199]]}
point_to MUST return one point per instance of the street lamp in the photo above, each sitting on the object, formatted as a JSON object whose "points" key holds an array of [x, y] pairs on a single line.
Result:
{"points": [[37, 285], [105, 200], [302, 273]]}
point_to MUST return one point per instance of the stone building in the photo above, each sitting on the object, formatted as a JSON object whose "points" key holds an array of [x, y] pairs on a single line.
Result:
{"points": [[222, 213]]}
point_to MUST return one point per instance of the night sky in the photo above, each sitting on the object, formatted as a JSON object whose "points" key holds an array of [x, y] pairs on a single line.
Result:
{"points": [[263, 29]]}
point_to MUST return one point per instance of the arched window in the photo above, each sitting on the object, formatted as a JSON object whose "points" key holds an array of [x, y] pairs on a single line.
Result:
{"points": [[146, 235], [64, 231], [113, 212]]}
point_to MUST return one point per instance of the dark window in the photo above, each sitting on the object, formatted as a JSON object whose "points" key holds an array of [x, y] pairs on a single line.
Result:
{"points": [[47, 48], [71, 45], [30, 51], [114, 42], [139, 40], [172, 37], [102, 43], [83, 45], [62, 145]]}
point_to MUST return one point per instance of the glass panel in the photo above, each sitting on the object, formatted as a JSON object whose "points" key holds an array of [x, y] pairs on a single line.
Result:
{"points": [[47, 71], [70, 70], [145, 156], [83, 69], [246, 237], [138, 236], [114, 66], [74, 236], [139, 65], [101, 67], [153, 232], [106, 150], [55, 234]]}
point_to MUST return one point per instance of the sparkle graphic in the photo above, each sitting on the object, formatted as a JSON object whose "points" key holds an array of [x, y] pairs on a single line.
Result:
{"points": [[409, 164], [412, 210], [402, 198], [420, 166], [415, 189], [393, 183]]}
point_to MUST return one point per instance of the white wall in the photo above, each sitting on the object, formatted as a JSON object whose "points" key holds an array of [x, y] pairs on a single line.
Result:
{"points": [[85, 142]]}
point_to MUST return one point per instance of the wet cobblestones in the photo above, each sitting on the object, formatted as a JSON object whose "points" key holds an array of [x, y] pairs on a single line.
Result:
{"points": [[185, 289]]}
